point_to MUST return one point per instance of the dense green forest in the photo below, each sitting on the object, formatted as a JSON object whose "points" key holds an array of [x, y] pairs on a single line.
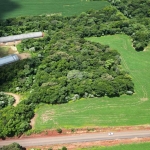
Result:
{"points": [[64, 66]]}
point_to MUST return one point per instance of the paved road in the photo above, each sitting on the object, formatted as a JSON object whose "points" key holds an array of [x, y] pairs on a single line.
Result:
{"points": [[77, 138]]}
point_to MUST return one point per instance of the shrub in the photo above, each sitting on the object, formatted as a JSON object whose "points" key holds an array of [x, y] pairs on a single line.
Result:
{"points": [[13, 146], [59, 130], [72, 130], [90, 129], [64, 148]]}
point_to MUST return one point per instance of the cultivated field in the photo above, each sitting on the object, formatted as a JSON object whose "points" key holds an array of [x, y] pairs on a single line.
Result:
{"points": [[119, 111], [139, 146], [15, 8]]}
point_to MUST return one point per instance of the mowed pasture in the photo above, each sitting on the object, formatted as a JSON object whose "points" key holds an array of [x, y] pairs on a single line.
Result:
{"points": [[118, 111], [16, 8], [135, 146]]}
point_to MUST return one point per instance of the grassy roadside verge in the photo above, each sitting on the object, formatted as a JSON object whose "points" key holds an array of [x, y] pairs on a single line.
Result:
{"points": [[135, 146]]}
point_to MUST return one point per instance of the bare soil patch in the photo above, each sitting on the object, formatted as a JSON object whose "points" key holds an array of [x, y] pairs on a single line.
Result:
{"points": [[24, 56], [33, 121], [144, 99]]}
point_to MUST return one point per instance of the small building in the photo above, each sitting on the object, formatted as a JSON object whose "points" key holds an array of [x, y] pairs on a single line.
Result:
{"points": [[20, 37], [8, 59]]}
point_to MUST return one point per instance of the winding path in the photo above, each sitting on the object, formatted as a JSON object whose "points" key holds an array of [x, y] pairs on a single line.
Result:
{"points": [[16, 96]]}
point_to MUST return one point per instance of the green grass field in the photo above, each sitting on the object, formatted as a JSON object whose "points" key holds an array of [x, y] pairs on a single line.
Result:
{"points": [[4, 51], [139, 146], [118, 111], [15, 8]]}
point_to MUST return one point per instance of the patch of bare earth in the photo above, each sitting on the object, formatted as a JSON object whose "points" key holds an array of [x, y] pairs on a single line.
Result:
{"points": [[24, 56], [16, 96], [32, 123], [144, 99]]}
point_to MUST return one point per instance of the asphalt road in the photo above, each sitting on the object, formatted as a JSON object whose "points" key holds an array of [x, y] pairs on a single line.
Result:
{"points": [[89, 137]]}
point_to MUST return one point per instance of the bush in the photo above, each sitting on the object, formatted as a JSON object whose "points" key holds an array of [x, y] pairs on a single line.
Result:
{"points": [[72, 130], [64, 148], [13, 146], [59, 130], [90, 129]]}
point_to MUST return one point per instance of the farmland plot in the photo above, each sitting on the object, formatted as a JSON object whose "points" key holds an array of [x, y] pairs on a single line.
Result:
{"points": [[16, 8], [118, 111]]}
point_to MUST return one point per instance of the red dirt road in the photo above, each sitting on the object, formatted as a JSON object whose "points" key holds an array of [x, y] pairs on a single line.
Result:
{"points": [[89, 137]]}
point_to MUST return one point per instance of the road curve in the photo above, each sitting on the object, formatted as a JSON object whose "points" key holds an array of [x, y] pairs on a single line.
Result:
{"points": [[16, 97], [89, 137]]}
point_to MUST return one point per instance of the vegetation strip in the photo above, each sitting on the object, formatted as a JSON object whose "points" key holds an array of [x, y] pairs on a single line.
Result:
{"points": [[134, 146]]}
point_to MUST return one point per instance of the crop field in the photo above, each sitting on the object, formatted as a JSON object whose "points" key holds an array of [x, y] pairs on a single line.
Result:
{"points": [[118, 111], [15, 8], [139, 146]]}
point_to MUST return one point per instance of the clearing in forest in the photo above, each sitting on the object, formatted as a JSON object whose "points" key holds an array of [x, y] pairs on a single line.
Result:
{"points": [[7, 50], [10, 49], [16, 8], [118, 111]]}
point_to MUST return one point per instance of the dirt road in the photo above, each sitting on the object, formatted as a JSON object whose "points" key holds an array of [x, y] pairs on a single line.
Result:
{"points": [[90, 137], [16, 96]]}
